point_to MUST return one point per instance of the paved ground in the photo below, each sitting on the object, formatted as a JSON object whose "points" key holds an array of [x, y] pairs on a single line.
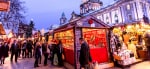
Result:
{"points": [[26, 63], [141, 65]]}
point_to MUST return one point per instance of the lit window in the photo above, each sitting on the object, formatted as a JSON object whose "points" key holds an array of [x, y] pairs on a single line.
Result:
{"points": [[116, 18], [128, 7], [107, 20]]}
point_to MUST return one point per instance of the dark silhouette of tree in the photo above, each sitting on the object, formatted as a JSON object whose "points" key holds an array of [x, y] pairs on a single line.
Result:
{"points": [[30, 29]]}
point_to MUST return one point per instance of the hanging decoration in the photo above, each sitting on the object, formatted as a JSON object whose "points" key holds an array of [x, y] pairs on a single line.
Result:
{"points": [[90, 21]]}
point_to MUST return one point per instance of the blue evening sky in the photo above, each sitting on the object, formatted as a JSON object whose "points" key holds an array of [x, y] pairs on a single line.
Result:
{"points": [[47, 12]]}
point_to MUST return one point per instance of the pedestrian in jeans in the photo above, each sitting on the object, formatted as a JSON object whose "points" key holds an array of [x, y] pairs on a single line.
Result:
{"points": [[85, 57]]}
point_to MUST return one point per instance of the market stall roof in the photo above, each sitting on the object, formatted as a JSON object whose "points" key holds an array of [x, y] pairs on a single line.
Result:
{"points": [[2, 31], [124, 24], [84, 23]]}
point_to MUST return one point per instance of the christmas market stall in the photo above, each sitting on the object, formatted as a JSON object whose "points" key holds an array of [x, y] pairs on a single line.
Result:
{"points": [[2, 32], [49, 36], [127, 42], [92, 30]]}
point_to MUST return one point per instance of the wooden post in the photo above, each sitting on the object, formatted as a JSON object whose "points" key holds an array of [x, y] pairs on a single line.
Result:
{"points": [[78, 34]]}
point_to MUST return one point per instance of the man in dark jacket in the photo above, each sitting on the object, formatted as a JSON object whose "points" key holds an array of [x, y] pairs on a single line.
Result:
{"points": [[85, 57], [29, 48], [14, 50]]}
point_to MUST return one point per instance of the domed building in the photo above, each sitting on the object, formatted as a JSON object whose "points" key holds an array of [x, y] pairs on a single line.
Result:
{"points": [[90, 5]]}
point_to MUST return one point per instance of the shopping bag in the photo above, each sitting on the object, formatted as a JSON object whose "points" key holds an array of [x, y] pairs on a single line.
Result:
{"points": [[55, 61], [63, 57], [90, 66], [96, 66]]}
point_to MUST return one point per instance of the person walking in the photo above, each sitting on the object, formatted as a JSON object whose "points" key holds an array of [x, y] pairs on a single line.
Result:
{"points": [[37, 54], [24, 45], [85, 57], [34, 45], [29, 48], [53, 51], [46, 52], [59, 53], [14, 50], [19, 48], [40, 58], [6, 49]]}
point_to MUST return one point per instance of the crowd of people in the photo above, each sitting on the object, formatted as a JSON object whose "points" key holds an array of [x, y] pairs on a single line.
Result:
{"points": [[52, 51], [29, 49], [48, 50]]}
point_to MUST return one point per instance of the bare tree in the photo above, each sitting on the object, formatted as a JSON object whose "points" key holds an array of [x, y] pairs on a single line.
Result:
{"points": [[14, 16]]}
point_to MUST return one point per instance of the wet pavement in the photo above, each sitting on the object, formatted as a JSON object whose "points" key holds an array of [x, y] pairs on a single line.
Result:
{"points": [[26, 63]]}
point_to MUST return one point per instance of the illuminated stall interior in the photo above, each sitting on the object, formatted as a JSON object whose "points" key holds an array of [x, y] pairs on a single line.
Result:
{"points": [[67, 38], [132, 37], [96, 39]]}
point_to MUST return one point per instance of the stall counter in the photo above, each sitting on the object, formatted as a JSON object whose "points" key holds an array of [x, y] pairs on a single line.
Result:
{"points": [[99, 54], [69, 55]]}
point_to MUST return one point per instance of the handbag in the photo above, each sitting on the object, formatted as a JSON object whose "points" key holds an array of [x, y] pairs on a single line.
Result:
{"points": [[55, 60]]}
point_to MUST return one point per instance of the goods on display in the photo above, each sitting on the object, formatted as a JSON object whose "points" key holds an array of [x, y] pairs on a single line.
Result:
{"points": [[67, 38], [95, 37]]}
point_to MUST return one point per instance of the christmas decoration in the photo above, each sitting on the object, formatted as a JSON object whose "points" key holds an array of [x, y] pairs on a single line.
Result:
{"points": [[90, 21]]}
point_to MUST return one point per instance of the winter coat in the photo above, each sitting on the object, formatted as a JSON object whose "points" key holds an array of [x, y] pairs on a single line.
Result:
{"points": [[85, 56]]}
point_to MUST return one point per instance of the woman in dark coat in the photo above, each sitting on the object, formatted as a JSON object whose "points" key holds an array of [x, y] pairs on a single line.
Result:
{"points": [[6, 49], [46, 52], [37, 54]]}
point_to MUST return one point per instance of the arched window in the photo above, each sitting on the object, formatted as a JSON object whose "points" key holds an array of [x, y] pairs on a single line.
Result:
{"points": [[116, 18]]}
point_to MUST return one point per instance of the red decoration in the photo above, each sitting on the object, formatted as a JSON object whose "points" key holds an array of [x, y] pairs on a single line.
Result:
{"points": [[90, 21]]}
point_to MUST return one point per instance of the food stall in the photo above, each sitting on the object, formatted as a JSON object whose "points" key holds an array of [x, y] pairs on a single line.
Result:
{"points": [[92, 30], [132, 46]]}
